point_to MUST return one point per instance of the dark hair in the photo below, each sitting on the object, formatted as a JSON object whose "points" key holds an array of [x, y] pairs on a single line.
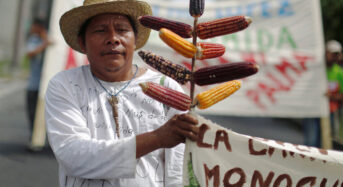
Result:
{"points": [[39, 22], [83, 28]]}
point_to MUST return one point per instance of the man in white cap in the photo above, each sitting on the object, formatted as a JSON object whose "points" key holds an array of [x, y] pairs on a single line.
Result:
{"points": [[103, 130], [335, 80]]}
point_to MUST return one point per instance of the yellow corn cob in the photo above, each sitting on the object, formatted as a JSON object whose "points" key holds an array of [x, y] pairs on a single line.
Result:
{"points": [[179, 44], [216, 94]]}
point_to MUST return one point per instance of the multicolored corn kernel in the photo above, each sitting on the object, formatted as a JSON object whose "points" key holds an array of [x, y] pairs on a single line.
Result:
{"points": [[196, 7], [177, 72], [156, 23], [179, 44], [167, 96], [209, 50], [216, 94], [224, 72], [222, 26]]}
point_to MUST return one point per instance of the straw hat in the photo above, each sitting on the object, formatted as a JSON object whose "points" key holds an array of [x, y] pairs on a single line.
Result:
{"points": [[71, 21]]}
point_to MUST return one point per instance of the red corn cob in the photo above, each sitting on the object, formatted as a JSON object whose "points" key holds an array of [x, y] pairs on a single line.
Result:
{"points": [[224, 72], [209, 50], [156, 23], [177, 72], [196, 7], [222, 26], [167, 96]]}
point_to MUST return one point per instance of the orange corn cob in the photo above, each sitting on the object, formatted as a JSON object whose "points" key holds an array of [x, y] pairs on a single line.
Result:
{"points": [[222, 26], [167, 96], [196, 7], [209, 50], [177, 72], [179, 44], [216, 94], [156, 23], [224, 72]]}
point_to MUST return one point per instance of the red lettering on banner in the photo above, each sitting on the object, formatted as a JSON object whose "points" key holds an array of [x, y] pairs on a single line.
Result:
{"points": [[281, 178], [259, 58], [71, 62], [249, 57], [252, 150], [279, 86], [323, 183], [285, 68], [254, 95], [212, 173], [241, 180], [221, 135], [187, 64], [204, 63], [270, 150], [336, 183], [203, 128], [257, 177], [306, 180], [237, 177], [223, 60]]}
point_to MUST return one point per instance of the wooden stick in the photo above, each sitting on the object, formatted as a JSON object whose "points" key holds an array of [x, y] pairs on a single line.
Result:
{"points": [[193, 63]]}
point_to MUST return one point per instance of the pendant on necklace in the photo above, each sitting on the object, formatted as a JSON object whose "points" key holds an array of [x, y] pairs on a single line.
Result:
{"points": [[113, 100]]}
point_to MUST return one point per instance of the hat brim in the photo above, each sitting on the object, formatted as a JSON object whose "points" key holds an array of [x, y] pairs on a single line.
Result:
{"points": [[71, 21]]}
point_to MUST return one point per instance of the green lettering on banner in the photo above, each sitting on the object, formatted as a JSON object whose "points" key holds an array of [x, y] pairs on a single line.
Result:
{"points": [[264, 39], [285, 37], [247, 39], [231, 38]]}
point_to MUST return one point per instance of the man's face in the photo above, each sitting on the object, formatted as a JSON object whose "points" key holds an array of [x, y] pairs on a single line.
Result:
{"points": [[109, 45], [332, 58]]}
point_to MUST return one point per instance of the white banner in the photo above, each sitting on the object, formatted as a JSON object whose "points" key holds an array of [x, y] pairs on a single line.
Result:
{"points": [[222, 157], [285, 39]]}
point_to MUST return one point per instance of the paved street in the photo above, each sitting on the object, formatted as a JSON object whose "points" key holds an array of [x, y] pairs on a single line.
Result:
{"points": [[20, 168]]}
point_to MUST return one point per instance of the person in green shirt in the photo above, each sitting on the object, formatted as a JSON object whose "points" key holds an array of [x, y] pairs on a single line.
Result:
{"points": [[311, 126], [335, 81]]}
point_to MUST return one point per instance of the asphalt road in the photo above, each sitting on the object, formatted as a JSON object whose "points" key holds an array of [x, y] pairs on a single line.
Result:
{"points": [[18, 166], [21, 168]]}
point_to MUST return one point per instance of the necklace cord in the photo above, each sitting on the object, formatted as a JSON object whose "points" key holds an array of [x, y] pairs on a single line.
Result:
{"points": [[123, 88]]}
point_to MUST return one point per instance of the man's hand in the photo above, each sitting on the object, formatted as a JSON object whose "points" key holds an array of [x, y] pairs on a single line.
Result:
{"points": [[177, 129], [172, 133]]}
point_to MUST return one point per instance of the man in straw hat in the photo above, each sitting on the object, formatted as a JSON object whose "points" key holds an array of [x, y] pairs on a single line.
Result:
{"points": [[103, 129]]}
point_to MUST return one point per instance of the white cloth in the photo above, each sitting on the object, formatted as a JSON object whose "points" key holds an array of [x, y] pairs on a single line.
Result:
{"points": [[81, 132]]}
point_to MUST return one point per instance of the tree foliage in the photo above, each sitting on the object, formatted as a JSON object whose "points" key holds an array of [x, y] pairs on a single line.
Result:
{"points": [[332, 13]]}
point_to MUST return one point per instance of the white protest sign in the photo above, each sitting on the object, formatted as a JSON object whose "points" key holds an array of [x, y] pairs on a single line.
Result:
{"points": [[222, 157], [285, 39]]}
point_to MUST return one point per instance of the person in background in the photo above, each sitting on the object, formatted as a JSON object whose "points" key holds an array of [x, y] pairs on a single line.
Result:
{"points": [[37, 42], [311, 126], [102, 128], [335, 82]]}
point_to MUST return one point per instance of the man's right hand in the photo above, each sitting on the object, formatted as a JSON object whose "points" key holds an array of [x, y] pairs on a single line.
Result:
{"points": [[172, 133], [177, 129]]}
